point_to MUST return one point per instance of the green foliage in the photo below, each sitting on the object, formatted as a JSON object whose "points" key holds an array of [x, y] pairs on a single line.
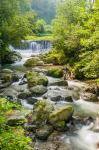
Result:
{"points": [[76, 32], [11, 137], [56, 72], [15, 23], [57, 57], [45, 9], [88, 67]]}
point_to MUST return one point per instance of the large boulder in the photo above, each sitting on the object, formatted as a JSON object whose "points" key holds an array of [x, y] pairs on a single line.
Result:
{"points": [[56, 72], [63, 114], [17, 118], [38, 90], [9, 57], [34, 78], [60, 95], [89, 97], [7, 75], [41, 111], [32, 62]]}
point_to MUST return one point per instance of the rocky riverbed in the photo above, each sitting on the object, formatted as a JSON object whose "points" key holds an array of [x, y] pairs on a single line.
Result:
{"points": [[61, 114]]}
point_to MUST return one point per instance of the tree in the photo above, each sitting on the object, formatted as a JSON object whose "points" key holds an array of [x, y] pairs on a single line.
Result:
{"points": [[15, 23]]}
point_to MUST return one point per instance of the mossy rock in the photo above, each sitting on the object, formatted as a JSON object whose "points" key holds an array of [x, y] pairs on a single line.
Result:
{"points": [[32, 62], [16, 118], [63, 114], [56, 72], [38, 90], [41, 111], [34, 78]]}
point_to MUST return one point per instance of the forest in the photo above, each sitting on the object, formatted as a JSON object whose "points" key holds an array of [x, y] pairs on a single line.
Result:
{"points": [[49, 74]]}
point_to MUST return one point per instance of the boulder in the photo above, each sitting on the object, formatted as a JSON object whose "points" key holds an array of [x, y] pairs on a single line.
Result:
{"points": [[7, 71], [63, 114], [56, 72], [43, 132], [34, 78], [38, 90], [89, 97], [4, 85], [25, 94], [60, 126], [33, 62], [10, 94], [58, 95], [8, 75], [41, 111], [32, 100], [30, 127], [59, 83], [17, 118]]}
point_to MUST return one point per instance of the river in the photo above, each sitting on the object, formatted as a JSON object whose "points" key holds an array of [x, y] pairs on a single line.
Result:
{"points": [[81, 136]]}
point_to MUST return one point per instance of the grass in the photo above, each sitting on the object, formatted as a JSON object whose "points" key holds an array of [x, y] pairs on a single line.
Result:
{"points": [[40, 37]]}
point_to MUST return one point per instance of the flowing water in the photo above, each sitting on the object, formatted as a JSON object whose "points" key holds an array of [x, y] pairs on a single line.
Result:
{"points": [[83, 138]]}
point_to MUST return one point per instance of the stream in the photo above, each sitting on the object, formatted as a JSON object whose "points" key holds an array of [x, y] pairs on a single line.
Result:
{"points": [[81, 136]]}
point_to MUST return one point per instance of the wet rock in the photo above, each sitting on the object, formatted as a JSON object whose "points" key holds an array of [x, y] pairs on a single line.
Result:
{"points": [[60, 83], [8, 75], [15, 77], [17, 118], [10, 94], [34, 78], [60, 126], [38, 90], [43, 132], [30, 127], [63, 114], [33, 62], [4, 85], [57, 95], [69, 99], [40, 70], [89, 97], [56, 72], [25, 94], [7, 71], [95, 127], [23, 81], [32, 100]]}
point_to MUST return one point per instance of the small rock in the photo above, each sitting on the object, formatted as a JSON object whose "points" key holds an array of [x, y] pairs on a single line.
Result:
{"points": [[89, 97], [43, 132]]}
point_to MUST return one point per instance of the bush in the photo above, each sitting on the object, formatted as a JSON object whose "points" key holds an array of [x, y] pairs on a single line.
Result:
{"points": [[56, 57], [88, 66], [55, 72]]}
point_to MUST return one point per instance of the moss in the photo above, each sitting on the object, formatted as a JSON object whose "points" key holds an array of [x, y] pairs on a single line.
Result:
{"points": [[55, 72], [63, 114], [35, 78], [33, 62], [41, 111]]}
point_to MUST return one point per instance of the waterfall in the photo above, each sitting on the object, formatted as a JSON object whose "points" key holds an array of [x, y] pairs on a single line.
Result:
{"points": [[33, 47]]}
